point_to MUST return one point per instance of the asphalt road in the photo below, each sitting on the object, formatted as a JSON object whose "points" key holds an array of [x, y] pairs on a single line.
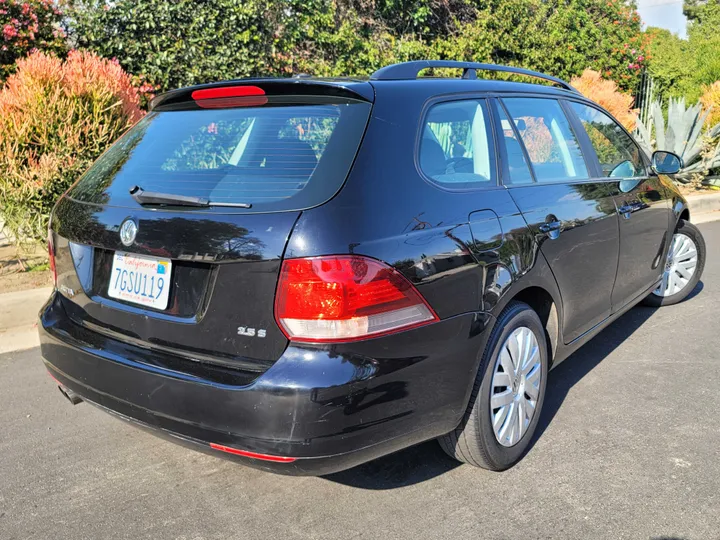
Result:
{"points": [[629, 448]]}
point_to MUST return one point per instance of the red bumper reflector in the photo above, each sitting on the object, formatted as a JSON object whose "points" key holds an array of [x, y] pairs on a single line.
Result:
{"points": [[264, 457]]}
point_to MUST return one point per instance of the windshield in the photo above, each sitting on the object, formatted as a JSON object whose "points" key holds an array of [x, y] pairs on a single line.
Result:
{"points": [[283, 155]]}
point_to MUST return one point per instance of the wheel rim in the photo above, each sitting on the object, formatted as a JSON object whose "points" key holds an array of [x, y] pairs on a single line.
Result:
{"points": [[515, 386], [679, 267]]}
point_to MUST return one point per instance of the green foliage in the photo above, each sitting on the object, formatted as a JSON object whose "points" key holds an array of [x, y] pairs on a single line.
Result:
{"points": [[576, 34], [681, 68], [704, 47], [173, 43], [26, 25], [179, 42], [668, 65], [692, 7]]}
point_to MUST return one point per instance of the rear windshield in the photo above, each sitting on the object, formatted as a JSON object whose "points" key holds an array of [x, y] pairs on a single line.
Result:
{"points": [[284, 155]]}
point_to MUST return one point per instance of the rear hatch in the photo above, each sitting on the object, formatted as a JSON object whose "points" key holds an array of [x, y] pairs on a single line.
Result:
{"points": [[173, 239]]}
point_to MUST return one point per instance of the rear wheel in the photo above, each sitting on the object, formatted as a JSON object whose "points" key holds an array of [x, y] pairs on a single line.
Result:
{"points": [[508, 394], [683, 266]]}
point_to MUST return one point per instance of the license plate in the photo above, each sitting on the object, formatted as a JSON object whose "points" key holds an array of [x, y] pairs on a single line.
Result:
{"points": [[140, 280]]}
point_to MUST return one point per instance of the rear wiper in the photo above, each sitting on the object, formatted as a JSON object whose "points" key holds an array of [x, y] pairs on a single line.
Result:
{"points": [[152, 197]]}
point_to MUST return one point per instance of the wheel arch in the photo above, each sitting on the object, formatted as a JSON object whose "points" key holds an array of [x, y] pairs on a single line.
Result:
{"points": [[546, 307], [546, 302]]}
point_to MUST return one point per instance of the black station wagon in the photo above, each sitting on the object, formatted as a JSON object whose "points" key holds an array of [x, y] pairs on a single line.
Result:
{"points": [[306, 274]]}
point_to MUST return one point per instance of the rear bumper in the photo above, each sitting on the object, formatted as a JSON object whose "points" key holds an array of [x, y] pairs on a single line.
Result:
{"points": [[329, 407]]}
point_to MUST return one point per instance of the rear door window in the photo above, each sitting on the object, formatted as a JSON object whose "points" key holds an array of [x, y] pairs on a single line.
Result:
{"points": [[456, 146], [285, 155], [517, 166], [551, 145]]}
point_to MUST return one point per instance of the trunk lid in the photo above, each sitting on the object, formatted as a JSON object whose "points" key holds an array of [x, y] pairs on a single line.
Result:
{"points": [[222, 283], [279, 155]]}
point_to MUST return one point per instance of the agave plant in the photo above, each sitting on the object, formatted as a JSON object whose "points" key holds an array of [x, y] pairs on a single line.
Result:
{"points": [[683, 136]]}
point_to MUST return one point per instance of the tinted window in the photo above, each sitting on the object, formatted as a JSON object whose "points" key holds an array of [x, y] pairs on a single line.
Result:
{"points": [[279, 156], [550, 143], [516, 162], [456, 145], [618, 154]]}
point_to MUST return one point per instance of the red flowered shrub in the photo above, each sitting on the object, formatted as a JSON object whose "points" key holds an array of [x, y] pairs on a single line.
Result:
{"points": [[26, 25], [606, 93], [56, 118]]}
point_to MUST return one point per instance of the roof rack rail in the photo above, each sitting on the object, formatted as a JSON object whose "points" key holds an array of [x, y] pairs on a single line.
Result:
{"points": [[410, 70]]}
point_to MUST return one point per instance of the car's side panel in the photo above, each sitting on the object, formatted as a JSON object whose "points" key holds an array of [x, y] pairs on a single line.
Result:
{"points": [[446, 242], [584, 255], [644, 211], [575, 225], [641, 200], [466, 251]]}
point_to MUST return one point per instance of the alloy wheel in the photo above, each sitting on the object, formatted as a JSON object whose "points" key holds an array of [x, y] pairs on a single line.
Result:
{"points": [[515, 386], [680, 266]]}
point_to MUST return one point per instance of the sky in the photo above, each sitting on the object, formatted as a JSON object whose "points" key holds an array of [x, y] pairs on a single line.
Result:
{"points": [[663, 13]]}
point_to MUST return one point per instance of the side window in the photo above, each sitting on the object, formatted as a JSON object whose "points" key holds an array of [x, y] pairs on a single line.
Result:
{"points": [[516, 162], [550, 143], [619, 156], [456, 148]]}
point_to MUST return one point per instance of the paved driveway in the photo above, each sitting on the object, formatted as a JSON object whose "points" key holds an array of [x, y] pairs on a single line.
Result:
{"points": [[629, 448]]}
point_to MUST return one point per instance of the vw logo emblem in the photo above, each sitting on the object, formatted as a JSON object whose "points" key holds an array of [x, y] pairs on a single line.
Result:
{"points": [[128, 231]]}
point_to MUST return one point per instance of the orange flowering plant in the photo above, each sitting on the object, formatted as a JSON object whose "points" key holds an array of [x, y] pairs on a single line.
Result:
{"points": [[605, 93], [56, 117]]}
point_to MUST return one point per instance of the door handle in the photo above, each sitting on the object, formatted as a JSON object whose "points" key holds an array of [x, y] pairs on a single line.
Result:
{"points": [[551, 228]]}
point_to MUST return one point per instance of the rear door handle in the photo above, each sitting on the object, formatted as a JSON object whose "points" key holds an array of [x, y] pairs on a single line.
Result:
{"points": [[551, 228]]}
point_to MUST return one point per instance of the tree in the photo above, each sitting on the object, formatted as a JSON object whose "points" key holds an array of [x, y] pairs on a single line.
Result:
{"points": [[561, 37], [172, 43], [26, 25], [175, 43], [704, 46], [601, 35], [669, 64], [681, 68], [691, 8]]}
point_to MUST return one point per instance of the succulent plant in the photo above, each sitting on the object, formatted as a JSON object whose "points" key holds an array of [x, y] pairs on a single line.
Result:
{"points": [[683, 135]]}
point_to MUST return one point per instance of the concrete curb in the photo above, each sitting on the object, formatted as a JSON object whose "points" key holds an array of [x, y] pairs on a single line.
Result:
{"points": [[700, 205], [19, 339], [18, 318]]}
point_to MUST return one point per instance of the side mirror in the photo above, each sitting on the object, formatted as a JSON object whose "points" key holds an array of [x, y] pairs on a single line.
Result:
{"points": [[666, 162]]}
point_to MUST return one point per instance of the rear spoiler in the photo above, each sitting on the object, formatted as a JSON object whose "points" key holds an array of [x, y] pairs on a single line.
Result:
{"points": [[300, 86]]}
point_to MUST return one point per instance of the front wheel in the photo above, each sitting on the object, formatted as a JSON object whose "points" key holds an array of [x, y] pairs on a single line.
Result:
{"points": [[683, 267], [508, 394]]}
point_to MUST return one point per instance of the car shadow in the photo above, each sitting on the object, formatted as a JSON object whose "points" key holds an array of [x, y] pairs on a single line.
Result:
{"points": [[427, 460]]}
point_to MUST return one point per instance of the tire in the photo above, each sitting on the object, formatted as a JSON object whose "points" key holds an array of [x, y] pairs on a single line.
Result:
{"points": [[474, 441], [690, 231]]}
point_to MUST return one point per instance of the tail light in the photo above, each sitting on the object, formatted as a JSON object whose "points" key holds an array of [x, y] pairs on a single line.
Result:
{"points": [[346, 298], [51, 254]]}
